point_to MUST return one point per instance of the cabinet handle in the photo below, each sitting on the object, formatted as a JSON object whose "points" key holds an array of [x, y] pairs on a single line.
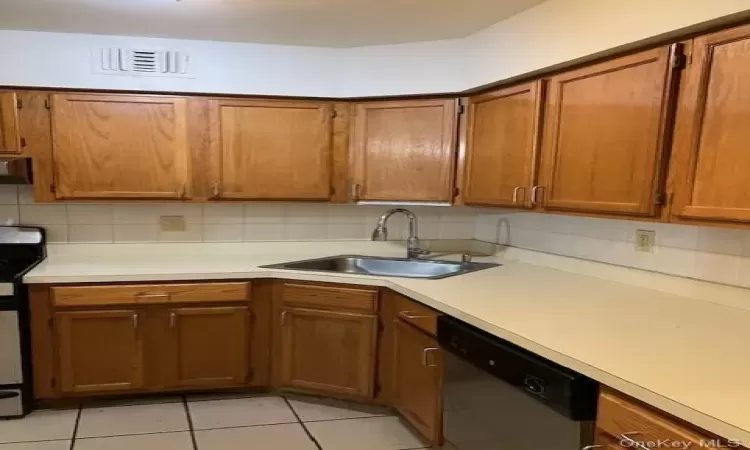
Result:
{"points": [[515, 193], [215, 190], [407, 316], [135, 320], [283, 317], [425, 353], [172, 319], [534, 191], [152, 295], [354, 191]]}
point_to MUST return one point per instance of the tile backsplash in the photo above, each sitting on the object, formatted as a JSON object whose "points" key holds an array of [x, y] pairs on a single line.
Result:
{"points": [[720, 255], [221, 222]]}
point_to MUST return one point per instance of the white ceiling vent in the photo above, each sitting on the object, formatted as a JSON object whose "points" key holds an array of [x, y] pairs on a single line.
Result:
{"points": [[153, 63]]}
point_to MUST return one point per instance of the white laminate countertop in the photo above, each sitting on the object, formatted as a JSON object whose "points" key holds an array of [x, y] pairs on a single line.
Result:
{"points": [[685, 355]]}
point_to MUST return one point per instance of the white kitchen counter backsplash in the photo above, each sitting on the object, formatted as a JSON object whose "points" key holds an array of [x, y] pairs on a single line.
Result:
{"points": [[222, 222]]}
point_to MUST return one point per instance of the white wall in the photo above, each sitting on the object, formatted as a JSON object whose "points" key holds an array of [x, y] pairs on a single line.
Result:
{"points": [[548, 34]]}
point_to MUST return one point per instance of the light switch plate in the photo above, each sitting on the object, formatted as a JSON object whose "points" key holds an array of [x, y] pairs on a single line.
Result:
{"points": [[172, 223], [645, 240]]}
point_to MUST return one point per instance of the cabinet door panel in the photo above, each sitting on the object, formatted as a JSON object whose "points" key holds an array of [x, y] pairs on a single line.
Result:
{"points": [[272, 150], [606, 128], [326, 351], [120, 146], [10, 140], [417, 379], [502, 148], [99, 351], [404, 150], [711, 157], [212, 345]]}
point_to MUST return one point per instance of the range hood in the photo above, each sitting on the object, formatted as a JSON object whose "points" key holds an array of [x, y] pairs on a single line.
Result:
{"points": [[15, 171]]}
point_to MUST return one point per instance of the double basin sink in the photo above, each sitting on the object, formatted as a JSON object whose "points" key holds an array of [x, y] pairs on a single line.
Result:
{"points": [[386, 267]]}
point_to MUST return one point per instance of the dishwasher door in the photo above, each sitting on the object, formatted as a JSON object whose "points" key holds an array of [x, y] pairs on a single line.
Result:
{"points": [[482, 412]]}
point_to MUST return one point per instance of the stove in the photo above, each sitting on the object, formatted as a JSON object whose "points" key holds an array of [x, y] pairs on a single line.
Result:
{"points": [[21, 248]]}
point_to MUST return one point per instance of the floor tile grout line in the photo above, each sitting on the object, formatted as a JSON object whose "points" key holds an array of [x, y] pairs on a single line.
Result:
{"points": [[75, 427], [83, 438], [302, 424], [190, 423]]}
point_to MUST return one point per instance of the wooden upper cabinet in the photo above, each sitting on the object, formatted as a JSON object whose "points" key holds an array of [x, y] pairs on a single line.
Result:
{"points": [[212, 345], [99, 351], [710, 157], [606, 129], [502, 146], [328, 351], [404, 150], [271, 149], [10, 139], [120, 146]]}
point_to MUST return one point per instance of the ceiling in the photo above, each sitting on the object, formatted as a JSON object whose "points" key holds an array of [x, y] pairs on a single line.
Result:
{"points": [[325, 23]]}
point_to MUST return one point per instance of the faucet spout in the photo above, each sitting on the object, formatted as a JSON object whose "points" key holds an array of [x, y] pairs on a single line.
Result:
{"points": [[413, 248]]}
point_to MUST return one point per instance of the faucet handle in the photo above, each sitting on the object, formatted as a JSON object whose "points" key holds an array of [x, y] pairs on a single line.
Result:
{"points": [[466, 258]]}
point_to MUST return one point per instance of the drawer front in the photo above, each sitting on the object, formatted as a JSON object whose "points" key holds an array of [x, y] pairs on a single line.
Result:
{"points": [[330, 297], [620, 416], [416, 314], [69, 296]]}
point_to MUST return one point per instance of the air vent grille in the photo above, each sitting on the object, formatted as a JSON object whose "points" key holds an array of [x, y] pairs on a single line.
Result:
{"points": [[142, 62]]}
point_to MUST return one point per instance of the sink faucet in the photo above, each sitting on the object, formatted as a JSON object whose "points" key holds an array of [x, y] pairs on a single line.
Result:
{"points": [[413, 247]]}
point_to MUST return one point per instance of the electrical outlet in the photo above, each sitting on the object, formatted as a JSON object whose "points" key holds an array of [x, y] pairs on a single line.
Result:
{"points": [[644, 240], [172, 223]]}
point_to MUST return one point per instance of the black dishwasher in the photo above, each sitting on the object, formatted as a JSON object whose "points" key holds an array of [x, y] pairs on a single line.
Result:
{"points": [[500, 396]]}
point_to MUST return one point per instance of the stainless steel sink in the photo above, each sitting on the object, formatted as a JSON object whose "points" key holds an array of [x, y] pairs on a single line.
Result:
{"points": [[388, 267]]}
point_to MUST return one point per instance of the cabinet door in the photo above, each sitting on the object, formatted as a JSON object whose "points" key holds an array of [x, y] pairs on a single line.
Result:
{"points": [[605, 133], [272, 150], [417, 379], [99, 351], [109, 146], [212, 345], [328, 352], [711, 142], [404, 150], [10, 140], [502, 147]]}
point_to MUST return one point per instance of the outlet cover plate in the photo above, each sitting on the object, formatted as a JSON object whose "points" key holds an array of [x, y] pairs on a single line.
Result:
{"points": [[645, 240]]}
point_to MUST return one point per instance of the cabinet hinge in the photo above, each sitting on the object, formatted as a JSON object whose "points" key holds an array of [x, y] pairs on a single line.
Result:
{"points": [[52, 188], [456, 192], [19, 103], [23, 142], [661, 199], [679, 59], [47, 103], [334, 114], [378, 388], [461, 109]]}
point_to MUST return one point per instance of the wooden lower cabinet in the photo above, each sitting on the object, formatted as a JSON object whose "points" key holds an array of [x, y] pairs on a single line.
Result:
{"points": [[211, 345], [99, 351], [331, 352], [417, 380]]}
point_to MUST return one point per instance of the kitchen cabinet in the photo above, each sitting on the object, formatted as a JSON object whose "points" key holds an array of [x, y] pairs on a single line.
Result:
{"points": [[326, 339], [271, 149], [99, 351], [625, 423], [417, 380], [606, 135], [503, 138], [404, 150], [120, 146], [10, 138], [211, 345], [710, 153]]}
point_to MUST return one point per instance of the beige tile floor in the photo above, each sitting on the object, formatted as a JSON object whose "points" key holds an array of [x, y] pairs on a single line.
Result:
{"points": [[222, 422]]}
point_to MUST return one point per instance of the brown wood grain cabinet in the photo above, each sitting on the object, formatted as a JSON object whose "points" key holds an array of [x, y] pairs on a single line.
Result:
{"points": [[99, 351], [332, 352], [404, 150], [120, 146], [606, 132], [211, 345], [710, 156], [503, 138], [417, 380], [271, 149], [10, 138]]}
